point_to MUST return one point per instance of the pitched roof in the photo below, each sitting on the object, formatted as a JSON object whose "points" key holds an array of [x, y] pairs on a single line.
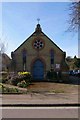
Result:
{"points": [[38, 30], [5, 58]]}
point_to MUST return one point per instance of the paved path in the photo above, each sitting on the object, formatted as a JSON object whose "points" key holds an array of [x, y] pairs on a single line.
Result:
{"points": [[40, 112], [36, 98]]}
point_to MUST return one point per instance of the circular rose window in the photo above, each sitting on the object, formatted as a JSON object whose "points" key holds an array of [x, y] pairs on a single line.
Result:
{"points": [[38, 44]]}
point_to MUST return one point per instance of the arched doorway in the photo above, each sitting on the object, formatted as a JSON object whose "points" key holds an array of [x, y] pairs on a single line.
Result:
{"points": [[38, 70]]}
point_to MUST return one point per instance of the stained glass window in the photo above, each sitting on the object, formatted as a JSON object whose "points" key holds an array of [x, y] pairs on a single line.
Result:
{"points": [[52, 56], [38, 44], [24, 55]]}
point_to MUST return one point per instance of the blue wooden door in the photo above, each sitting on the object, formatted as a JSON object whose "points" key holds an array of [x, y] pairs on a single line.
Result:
{"points": [[38, 70]]}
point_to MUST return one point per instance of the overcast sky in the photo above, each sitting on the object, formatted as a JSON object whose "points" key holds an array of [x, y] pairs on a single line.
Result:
{"points": [[19, 20]]}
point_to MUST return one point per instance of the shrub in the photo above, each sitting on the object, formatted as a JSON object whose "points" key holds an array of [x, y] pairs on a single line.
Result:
{"points": [[0, 80], [26, 75], [21, 77], [13, 90], [1, 87], [59, 75], [78, 75], [16, 79], [51, 75], [54, 75], [23, 84], [8, 90], [4, 80], [23, 73]]}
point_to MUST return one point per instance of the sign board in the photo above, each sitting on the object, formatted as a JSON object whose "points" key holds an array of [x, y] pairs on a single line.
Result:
{"points": [[57, 66]]}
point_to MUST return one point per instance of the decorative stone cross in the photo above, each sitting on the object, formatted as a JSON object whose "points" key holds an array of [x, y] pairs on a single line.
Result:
{"points": [[38, 20]]}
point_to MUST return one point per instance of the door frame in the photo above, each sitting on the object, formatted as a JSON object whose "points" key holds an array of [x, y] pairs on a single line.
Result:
{"points": [[34, 60]]}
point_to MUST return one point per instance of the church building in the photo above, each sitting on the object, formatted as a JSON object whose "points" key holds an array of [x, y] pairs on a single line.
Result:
{"points": [[38, 54]]}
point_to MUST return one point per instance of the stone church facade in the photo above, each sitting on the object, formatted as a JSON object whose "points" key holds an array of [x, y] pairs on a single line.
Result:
{"points": [[39, 54]]}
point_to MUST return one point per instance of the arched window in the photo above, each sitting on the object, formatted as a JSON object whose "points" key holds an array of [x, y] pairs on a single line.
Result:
{"points": [[52, 56], [24, 55], [13, 61]]}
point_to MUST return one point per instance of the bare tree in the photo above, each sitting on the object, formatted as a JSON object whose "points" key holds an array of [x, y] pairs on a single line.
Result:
{"points": [[69, 59], [74, 16], [3, 47]]}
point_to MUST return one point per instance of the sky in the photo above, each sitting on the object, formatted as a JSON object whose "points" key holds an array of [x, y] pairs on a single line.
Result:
{"points": [[19, 20]]}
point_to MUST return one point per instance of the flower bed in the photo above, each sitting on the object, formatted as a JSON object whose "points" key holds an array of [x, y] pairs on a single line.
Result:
{"points": [[22, 79], [7, 90], [10, 89]]}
